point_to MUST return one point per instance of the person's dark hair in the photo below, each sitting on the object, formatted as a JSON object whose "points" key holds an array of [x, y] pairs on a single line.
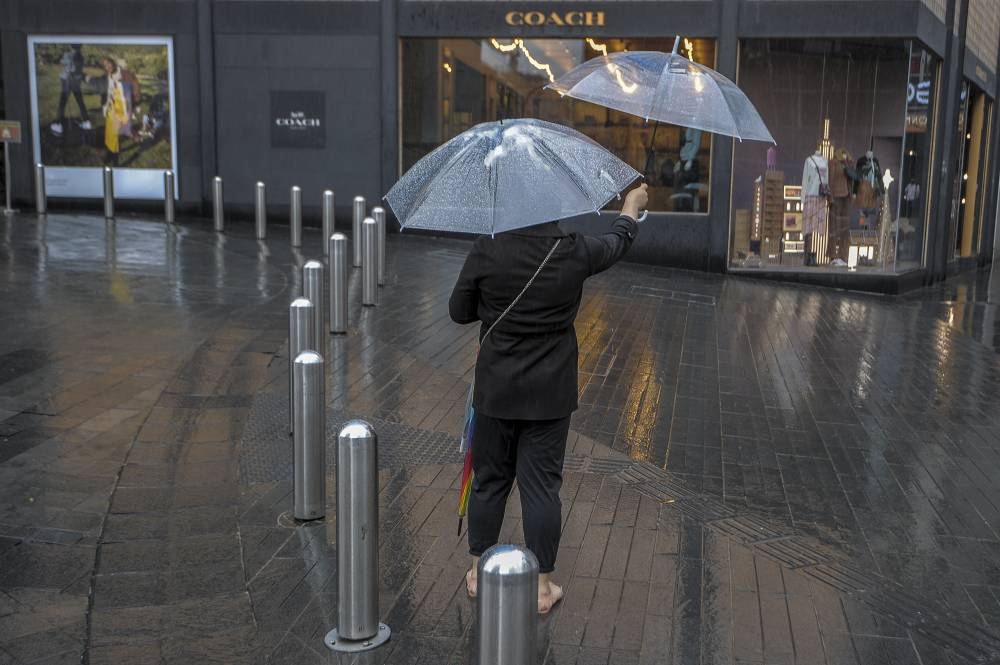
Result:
{"points": [[114, 63], [76, 47]]}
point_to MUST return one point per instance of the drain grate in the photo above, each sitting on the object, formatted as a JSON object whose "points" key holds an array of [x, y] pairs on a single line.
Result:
{"points": [[675, 296]]}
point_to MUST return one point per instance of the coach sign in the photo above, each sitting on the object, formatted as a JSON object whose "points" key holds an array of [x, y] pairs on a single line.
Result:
{"points": [[298, 119], [559, 19]]}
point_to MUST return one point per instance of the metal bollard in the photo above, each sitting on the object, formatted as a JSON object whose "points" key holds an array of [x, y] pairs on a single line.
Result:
{"points": [[508, 606], [378, 214], [309, 407], [369, 268], [168, 197], [295, 216], [312, 288], [358, 627], [300, 332], [338, 283], [109, 193], [217, 201], [328, 219], [40, 201], [260, 210], [357, 218]]}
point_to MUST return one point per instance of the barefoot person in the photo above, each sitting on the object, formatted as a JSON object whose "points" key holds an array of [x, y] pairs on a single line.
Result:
{"points": [[526, 374]]}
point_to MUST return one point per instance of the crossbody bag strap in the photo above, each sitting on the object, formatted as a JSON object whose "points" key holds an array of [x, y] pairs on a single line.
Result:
{"points": [[514, 302]]}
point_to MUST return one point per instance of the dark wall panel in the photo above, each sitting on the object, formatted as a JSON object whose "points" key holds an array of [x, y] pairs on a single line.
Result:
{"points": [[250, 67]]}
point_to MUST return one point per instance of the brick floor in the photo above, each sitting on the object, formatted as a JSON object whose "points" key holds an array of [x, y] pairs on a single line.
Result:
{"points": [[758, 473]]}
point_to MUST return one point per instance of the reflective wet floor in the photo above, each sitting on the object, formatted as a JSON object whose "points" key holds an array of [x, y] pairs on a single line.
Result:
{"points": [[758, 473]]}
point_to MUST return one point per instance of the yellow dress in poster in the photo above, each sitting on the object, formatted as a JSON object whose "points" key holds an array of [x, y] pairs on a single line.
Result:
{"points": [[115, 115]]}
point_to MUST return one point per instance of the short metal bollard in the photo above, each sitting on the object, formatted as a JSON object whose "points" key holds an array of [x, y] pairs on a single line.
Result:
{"points": [[338, 283], [309, 407], [508, 606], [300, 332], [260, 210], [358, 627], [218, 215], [312, 288], [41, 203], [109, 193], [378, 214], [168, 197], [369, 267], [295, 216], [356, 220], [328, 219]]}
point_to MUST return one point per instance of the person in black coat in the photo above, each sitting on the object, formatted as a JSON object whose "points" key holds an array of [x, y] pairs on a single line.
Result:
{"points": [[526, 374]]}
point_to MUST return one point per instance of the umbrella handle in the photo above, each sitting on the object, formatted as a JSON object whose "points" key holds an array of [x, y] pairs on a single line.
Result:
{"points": [[642, 217]]}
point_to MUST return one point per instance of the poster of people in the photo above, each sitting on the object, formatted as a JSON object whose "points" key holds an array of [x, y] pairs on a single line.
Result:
{"points": [[103, 101]]}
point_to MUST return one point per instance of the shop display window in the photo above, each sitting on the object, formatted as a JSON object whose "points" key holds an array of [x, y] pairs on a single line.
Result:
{"points": [[845, 188], [449, 85]]}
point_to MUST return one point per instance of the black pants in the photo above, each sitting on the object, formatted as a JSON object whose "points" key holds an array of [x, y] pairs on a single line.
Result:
{"points": [[71, 87], [531, 451]]}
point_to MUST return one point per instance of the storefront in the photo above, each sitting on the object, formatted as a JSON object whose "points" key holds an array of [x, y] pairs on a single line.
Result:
{"points": [[882, 177], [846, 188]]}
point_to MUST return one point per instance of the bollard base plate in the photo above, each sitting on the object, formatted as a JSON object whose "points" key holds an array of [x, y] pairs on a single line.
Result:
{"points": [[353, 646]]}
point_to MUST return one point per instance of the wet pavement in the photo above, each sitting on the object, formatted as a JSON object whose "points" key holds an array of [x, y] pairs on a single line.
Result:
{"points": [[758, 473]]}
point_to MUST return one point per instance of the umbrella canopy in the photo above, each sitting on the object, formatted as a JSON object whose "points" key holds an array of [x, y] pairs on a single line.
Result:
{"points": [[505, 175], [666, 87]]}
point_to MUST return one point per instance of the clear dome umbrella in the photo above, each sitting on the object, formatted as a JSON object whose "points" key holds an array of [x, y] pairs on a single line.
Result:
{"points": [[666, 87], [510, 174]]}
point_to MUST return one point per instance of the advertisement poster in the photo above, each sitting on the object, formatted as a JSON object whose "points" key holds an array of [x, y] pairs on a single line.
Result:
{"points": [[103, 101]]}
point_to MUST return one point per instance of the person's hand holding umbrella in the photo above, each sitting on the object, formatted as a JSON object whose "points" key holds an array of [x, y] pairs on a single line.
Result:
{"points": [[636, 200]]}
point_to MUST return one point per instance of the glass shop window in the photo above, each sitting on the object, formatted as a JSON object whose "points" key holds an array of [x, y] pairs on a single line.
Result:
{"points": [[845, 189], [449, 85]]}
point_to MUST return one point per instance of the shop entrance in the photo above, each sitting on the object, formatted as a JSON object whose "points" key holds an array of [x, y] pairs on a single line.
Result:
{"points": [[970, 204]]}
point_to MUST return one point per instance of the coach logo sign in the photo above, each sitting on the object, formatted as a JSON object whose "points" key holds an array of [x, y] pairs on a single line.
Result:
{"points": [[297, 119], [560, 19]]}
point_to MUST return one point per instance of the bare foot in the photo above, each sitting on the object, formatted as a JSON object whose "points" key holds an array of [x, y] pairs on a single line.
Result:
{"points": [[548, 595], [471, 582]]}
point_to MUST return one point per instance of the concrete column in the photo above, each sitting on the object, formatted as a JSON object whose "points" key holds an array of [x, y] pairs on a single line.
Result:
{"points": [[389, 93], [952, 75], [206, 99], [727, 56]]}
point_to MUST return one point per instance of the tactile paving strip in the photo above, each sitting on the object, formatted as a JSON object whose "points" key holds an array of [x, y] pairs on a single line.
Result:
{"points": [[266, 447]]}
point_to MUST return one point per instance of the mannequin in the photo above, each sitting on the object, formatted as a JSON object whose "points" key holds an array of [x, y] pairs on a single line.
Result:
{"points": [[868, 187], [911, 193], [815, 207], [842, 178], [687, 171], [885, 248]]}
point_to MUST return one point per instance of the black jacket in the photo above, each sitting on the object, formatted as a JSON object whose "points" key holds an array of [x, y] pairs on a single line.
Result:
{"points": [[526, 369]]}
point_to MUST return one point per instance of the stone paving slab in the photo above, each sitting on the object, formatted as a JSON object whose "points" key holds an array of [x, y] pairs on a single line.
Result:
{"points": [[758, 473]]}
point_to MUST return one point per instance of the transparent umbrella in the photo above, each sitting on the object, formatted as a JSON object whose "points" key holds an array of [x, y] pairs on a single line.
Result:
{"points": [[505, 175], [666, 87]]}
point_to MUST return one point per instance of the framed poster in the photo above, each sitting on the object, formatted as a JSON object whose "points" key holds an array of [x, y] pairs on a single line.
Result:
{"points": [[103, 101]]}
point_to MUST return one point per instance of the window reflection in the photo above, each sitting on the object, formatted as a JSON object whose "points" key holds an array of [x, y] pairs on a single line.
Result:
{"points": [[449, 85]]}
